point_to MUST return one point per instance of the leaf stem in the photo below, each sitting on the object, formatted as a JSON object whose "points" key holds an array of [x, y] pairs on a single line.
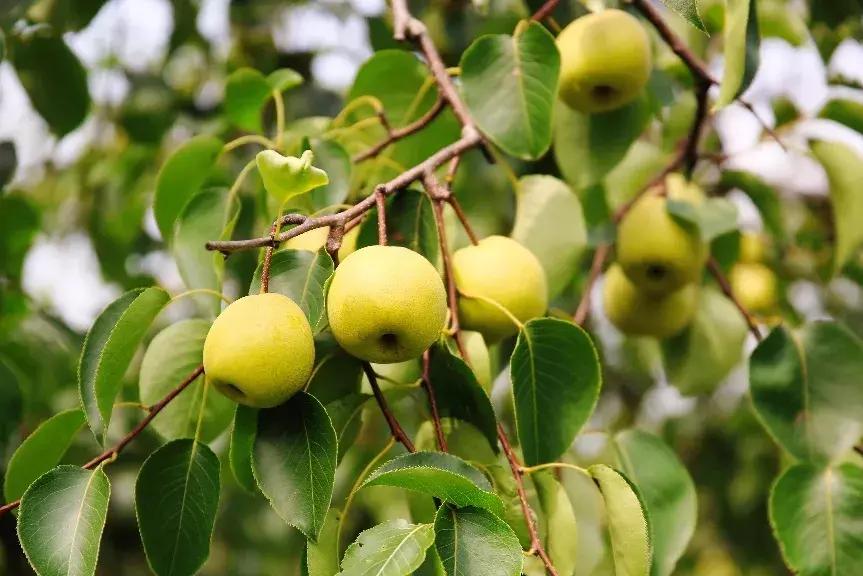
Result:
{"points": [[551, 465], [280, 118], [194, 291], [248, 139]]}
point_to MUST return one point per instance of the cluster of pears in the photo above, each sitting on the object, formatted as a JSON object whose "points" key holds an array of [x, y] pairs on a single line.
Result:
{"points": [[386, 304], [652, 289], [605, 61], [754, 283]]}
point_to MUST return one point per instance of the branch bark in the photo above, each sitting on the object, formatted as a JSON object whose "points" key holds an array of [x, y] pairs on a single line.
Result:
{"points": [[395, 428], [725, 286]]}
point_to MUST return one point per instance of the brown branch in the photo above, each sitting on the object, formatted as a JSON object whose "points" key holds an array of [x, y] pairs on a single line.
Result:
{"points": [[393, 135], [395, 428], [596, 266], [429, 388], [725, 286], [690, 149], [545, 10], [535, 542], [334, 242], [152, 412]]}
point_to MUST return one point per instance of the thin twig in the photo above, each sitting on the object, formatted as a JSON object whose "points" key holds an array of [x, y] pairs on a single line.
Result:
{"points": [[268, 258], [395, 428], [381, 204], [396, 134], [725, 286], [462, 217], [113, 452], [545, 10], [429, 388], [599, 258]]}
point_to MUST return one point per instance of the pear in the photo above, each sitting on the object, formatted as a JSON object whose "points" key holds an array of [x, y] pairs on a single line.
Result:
{"points": [[605, 61], [752, 247], [498, 273], [313, 240], [259, 351], [755, 286], [349, 242], [386, 304], [638, 313]]}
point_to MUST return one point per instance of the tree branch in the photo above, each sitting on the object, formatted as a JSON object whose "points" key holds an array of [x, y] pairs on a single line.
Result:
{"points": [[113, 452], [396, 134], [545, 10], [725, 286], [429, 388], [395, 428]]}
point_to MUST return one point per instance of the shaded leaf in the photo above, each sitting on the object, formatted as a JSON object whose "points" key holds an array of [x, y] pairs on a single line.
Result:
{"points": [[394, 548], [688, 9], [410, 223], [8, 159], [561, 529], [765, 198], [713, 217], [242, 444], [742, 41], [474, 542], [346, 416], [322, 557], [11, 408]]}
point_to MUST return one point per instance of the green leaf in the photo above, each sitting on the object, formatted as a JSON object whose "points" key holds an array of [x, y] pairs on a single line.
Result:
{"points": [[336, 162], [549, 222], [627, 522], [207, 216], [19, 220], [713, 217], [588, 146], [394, 548], [440, 475], [180, 178], [346, 416], [510, 84], [561, 529], [742, 43], [474, 542], [11, 407], [805, 387], [846, 112], [337, 374], [701, 357], [410, 223], [288, 176], [667, 491], [54, 78], [247, 91], [815, 514], [322, 557], [172, 355], [61, 520], [844, 169], [555, 384], [284, 79], [176, 499], [762, 195], [459, 394], [108, 349], [302, 276], [41, 451], [688, 9], [8, 160], [294, 461], [242, 444]]}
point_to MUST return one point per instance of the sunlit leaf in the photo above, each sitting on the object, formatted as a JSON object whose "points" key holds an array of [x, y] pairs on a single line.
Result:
{"points": [[242, 444], [561, 529], [688, 9], [742, 42], [394, 548]]}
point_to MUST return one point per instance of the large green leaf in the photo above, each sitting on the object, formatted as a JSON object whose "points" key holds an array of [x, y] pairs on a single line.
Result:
{"points": [[844, 169], [555, 384], [626, 517], [440, 475], [61, 520], [394, 548], [816, 515], [172, 355], [410, 223], [180, 178], [561, 530], [41, 451], [302, 276], [689, 10], [805, 387], [474, 542], [667, 491], [108, 349], [53, 77], [247, 91], [207, 216], [459, 395], [294, 461], [176, 499], [242, 444], [510, 84], [742, 42], [549, 221]]}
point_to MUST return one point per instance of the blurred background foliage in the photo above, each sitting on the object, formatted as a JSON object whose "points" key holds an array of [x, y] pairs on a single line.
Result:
{"points": [[94, 94]]}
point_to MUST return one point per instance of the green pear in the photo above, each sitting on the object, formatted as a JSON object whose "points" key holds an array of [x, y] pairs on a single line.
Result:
{"points": [[605, 61], [478, 358], [260, 350], [754, 285], [313, 240], [638, 313], [659, 254], [349, 243], [498, 273], [386, 304], [753, 247]]}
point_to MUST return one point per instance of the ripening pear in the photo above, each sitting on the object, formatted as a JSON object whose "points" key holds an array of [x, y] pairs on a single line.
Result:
{"points": [[754, 285], [638, 313], [752, 247], [478, 358], [605, 61], [386, 304], [349, 243], [498, 273], [657, 253], [259, 351], [313, 240]]}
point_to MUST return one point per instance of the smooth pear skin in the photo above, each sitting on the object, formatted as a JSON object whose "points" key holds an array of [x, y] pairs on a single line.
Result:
{"points": [[260, 350], [658, 254], [386, 304], [637, 313], [313, 240], [502, 270], [755, 286], [605, 61]]}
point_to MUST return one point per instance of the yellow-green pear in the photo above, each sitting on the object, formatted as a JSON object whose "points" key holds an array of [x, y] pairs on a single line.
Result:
{"points": [[399, 373], [605, 61], [259, 351], [754, 285], [349, 243], [656, 252], [638, 313], [386, 304], [313, 240], [753, 247], [478, 358], [498, 273]]}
